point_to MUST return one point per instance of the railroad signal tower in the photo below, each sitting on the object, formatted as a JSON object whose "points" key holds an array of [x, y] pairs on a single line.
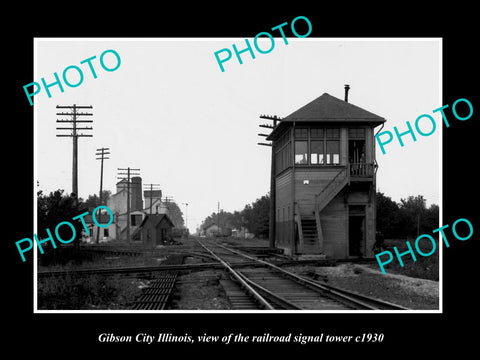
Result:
{"points": [[323, 161]]}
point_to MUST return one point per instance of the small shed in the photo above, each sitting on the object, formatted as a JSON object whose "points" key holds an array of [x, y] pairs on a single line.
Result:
{"points": [[155, 229]]}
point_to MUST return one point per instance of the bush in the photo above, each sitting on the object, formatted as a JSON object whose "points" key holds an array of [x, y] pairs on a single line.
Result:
{"points": [[85, 292]]}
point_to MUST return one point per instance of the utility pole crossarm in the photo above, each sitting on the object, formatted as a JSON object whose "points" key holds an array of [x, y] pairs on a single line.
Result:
{"points": [[76, 121], [74, 135], [102, 157], [75, 107], [271, 229], [75, 113], [150, 187], [269, 117]]}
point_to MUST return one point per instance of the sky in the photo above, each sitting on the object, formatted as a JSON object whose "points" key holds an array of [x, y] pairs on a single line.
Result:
{"points": [[171, 112]]}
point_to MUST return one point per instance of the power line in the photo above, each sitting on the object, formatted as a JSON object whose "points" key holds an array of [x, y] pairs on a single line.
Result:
{"points": [[151, 194], [74, 135], [102, 152], [129, 172], [271, 229]]}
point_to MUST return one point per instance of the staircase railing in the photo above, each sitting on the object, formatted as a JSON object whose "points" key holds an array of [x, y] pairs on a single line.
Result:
{"points": [[298, 220], [340, 177], [362, 169]]}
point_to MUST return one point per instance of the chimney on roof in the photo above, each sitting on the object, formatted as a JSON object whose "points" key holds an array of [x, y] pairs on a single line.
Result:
{"points": [[347, 87]]}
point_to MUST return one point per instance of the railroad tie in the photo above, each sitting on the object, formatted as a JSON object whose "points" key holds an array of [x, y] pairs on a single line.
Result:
{"points": [[157, 294]]}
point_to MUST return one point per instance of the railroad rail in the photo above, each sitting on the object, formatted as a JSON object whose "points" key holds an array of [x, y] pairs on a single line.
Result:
{"points": [[272, 287], [157, 294]]}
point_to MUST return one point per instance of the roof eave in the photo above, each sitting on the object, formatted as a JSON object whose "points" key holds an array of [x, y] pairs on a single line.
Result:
{"points": [[306, 121]]}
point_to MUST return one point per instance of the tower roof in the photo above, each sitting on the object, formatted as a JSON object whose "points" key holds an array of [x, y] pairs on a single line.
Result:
{"points": [[329, 109]]}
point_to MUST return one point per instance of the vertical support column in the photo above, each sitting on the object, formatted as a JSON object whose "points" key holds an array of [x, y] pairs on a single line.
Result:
{"points": [[271, 229], [343, 146], [293, 234], [76, 243], [100, 198], [319, 231], [128, 205], [75, 156]]}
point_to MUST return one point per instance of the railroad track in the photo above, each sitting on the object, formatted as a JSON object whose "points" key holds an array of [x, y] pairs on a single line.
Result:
{"points": [[157, 294], [273, 288]]}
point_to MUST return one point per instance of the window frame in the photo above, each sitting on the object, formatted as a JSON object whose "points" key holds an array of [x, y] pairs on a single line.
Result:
{"points": [[326, 135]]}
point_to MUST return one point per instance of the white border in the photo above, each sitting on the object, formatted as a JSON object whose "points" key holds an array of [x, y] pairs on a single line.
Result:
{"points": [[263, 312]]}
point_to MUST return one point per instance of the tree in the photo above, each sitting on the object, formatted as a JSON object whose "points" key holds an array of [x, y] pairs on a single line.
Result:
{"points": [[406, 219], [387, 216], [412, 211], [175, 214], [257, 216], [431, 218], [94, 200], [54, 209]]}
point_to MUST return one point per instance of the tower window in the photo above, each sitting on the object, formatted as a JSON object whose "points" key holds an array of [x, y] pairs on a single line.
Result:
{"points": [[333, 152], [316, 152], [301, 152]]}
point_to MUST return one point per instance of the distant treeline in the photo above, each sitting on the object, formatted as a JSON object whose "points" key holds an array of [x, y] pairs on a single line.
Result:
{"points": [[254, 217], [404, 219]]}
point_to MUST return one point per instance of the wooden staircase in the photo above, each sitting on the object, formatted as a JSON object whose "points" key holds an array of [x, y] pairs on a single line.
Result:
{"points": [[309, 227], [310, 236], [332, 189]]}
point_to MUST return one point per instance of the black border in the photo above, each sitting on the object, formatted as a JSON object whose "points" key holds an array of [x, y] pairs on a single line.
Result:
{"points": [[406, 333]]}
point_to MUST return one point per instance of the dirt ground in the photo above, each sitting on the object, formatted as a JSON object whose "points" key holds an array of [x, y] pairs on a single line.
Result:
{"points": [[413, 293], [201, 290]]}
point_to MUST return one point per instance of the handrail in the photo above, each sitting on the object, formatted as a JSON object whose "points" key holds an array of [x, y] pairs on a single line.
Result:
{"points": [[298, 219], [361, 169], [342, 172]]}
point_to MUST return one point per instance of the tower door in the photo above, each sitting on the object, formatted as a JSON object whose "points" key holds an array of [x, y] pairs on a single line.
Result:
{"points": [[356, 230]]}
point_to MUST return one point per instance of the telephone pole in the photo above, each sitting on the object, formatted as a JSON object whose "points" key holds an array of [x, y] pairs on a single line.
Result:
{"points": [[186, 218], [129, 172], [218, 217], [151, 194], [271, 229], [101, 152], [74, 134]]}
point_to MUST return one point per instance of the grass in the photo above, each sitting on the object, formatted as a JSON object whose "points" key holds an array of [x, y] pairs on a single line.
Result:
{"points": [[425, 267], [88, 292], [92, 292]]}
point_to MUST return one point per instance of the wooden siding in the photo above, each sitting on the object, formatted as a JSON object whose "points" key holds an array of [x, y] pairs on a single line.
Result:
{"points": [[335, 227], [370, 214], [283, 210], [335, 216], [369, 145], [343, 146], [318, 180]]}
